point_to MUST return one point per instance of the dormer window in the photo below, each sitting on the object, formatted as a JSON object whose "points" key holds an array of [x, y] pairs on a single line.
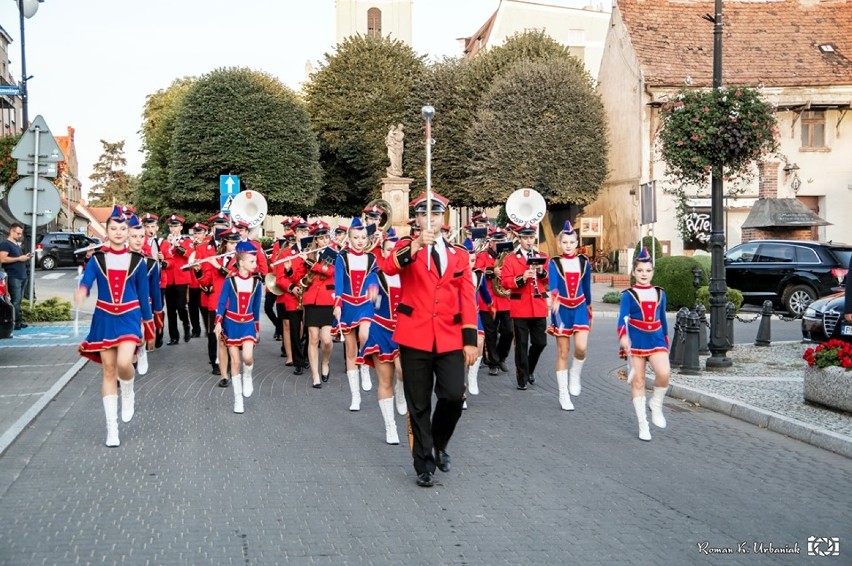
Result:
{"points": [[374, 21], [826, 48]]}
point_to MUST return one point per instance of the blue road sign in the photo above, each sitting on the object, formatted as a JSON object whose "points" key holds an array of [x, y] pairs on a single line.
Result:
{"points": [[9, 90], [229, 185], [225, 203]]}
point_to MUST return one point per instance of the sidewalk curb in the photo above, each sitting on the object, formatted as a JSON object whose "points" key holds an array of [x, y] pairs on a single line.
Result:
{"points": [[814, 435], [10, 435]]}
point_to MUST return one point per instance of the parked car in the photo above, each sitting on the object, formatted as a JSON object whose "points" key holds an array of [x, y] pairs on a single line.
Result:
{"points": [[56, 249], [790, 273], [821, 317]]}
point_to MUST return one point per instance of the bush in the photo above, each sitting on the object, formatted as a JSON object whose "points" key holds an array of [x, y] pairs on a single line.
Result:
{"points": [[646, 242], [674, 274], [612, 297], [702, 296], [704, 261], [52, 309]]}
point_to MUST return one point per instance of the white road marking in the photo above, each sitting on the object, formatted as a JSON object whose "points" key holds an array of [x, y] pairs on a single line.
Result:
{"points": [[55, 275]]}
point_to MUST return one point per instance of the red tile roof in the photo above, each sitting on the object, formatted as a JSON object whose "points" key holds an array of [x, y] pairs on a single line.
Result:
{"points": [[773, 42]]}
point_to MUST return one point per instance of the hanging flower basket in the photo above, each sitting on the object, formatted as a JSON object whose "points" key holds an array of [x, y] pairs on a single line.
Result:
{"points": [[728, 127]]}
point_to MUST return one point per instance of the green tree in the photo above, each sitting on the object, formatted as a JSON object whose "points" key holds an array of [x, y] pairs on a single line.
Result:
{"points": [[111, 184], [158, 126], [456, 89], [242, 122], [353, 99], [540, 125], [8, 166]]}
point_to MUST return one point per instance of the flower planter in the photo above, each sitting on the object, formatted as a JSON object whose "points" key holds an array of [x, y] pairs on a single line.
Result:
{"points": [[831, 386]]}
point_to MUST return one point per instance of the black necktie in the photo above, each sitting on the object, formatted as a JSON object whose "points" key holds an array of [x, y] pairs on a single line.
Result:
{"points": [[436, 259]]}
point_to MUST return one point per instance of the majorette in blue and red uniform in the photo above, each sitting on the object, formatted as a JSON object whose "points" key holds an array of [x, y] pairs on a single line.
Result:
{"points": [[350, 291], [570, 280], [381, 341], [645, 305], [240, 305], [123, 308]]}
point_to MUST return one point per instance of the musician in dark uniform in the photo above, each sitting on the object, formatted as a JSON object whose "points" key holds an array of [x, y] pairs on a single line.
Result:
{"points": [[527, 283], [436, 330]]}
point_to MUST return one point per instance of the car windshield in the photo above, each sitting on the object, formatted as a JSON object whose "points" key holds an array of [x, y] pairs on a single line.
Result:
{"points": [[844, 256]]}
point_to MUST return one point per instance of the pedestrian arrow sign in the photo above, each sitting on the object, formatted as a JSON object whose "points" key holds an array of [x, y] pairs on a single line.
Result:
{"points": [[48, 149], [225, 203]]}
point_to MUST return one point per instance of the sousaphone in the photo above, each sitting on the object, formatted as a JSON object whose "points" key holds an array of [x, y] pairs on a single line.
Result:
{"points": [[249, 207]]}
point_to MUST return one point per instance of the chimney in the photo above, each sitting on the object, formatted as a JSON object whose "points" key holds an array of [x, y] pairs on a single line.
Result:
{"points": [[767, 179]]}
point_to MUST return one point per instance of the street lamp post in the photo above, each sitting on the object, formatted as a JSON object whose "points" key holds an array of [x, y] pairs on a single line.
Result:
{"points": [[26, 9], [718, 343]]}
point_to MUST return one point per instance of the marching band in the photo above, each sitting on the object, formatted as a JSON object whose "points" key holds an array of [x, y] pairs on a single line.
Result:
{"points": [[422, 311]]}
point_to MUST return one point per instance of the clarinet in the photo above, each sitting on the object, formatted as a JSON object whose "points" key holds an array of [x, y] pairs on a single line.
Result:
{"points": [[536, 291]]}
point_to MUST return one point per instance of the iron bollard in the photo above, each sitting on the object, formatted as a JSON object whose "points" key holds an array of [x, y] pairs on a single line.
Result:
{"points": [[703, 350], [764, 333], [676, 349], [690, 364], [730, 314]]}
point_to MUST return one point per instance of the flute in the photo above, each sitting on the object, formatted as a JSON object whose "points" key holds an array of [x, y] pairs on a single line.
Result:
{"points": [[201, 261], [89, 248], [300, 254]]}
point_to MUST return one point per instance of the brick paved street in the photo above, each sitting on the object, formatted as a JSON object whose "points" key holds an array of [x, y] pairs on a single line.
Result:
{"points": [[300, 479]]}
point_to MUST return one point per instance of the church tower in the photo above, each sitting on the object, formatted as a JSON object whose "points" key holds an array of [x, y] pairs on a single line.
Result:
{"points": [[374, 17]]}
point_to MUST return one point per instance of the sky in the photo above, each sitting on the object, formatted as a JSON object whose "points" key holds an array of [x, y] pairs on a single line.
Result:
{"points": [[93, 62]]}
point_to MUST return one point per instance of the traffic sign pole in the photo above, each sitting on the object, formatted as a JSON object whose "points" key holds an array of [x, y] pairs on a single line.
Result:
{"points": [[34, 223]]}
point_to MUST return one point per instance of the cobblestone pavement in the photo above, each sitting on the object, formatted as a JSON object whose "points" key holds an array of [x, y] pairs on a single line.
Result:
{"points": [[300, 479]]}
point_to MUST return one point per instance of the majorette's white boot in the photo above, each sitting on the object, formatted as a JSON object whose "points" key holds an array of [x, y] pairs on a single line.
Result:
{"points": [[128, 399], [237, 380], [399, 395], [111, 411], [248, 384], [473, 378], [644, 430], [142, 360], [655, 403], [391, 435], [564, 396], [355, 389], [574, 376], [366, 382]]}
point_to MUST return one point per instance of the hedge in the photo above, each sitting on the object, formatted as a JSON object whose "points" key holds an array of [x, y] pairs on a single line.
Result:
{"points": [[50, 310], [674, 274], [702, 296]]}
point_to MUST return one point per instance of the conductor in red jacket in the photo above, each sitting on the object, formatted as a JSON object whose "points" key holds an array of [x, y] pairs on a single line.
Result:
{"points": [[436, 333]]}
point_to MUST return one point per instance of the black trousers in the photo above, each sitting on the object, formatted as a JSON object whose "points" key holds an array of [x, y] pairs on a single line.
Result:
{"points": [[530, 341], [194, 306], [425, 371], [176, 308], [296, 345], [498, 336], [269, 308], [212, 343]]}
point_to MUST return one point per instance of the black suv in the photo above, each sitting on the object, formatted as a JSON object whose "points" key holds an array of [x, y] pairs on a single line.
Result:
{"points": [[790, 273], [55, 249]]}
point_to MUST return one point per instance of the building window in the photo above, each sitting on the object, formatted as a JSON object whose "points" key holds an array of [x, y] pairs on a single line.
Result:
{"points": [[813, 129], [374, 21]]}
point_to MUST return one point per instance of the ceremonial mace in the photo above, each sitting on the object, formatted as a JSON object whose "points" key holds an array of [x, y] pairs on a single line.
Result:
{"points": [[428, 113]]}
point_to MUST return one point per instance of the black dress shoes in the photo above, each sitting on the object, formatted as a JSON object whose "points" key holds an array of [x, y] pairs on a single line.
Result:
{"points": [[299, 370], [442, 460], [492, 370], [277, 337], [503, 366], [224, 382], [425, 479], [288, 364], [531, 378], [522, 386], [216, 371], [186, 336], [317, 385], [173, 342], [196, 333], [324, 378], [158, 342]]}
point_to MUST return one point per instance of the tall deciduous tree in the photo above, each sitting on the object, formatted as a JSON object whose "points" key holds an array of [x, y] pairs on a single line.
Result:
{"points": [[8, 166], [360, 91], [540, 125], [110, 182], [158, 126], [243, 122]]}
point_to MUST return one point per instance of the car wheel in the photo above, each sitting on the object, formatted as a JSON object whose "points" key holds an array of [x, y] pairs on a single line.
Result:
{"points": [[797, 298], [48, 262]]}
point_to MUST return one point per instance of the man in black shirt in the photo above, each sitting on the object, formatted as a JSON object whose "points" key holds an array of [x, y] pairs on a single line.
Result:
{"points": [[14, 262]]}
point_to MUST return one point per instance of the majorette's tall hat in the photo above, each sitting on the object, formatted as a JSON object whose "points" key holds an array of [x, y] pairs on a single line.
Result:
{"points": [[644, 256], [568, 229]]}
